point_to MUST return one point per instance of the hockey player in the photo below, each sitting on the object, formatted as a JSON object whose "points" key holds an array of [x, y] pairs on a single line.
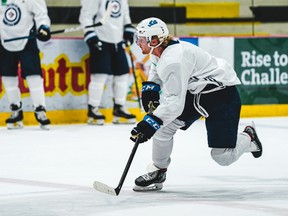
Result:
{"points": [[107, 56], [23, 18], [194, 84]]}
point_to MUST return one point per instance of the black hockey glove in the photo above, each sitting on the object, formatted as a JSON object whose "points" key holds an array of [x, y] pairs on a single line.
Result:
{"points": [[150, 96], [43, 33], [92, 40], [128, 35], [146, 128]]}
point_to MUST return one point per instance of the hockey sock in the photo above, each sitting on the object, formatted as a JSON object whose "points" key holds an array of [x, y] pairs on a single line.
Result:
{"points": [[12, 90], [36, 88], [96, 89], [120, 85]]}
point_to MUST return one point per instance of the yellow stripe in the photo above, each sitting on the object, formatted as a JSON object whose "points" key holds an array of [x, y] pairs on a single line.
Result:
{"points": [[264, 110], [208, 9], [228, 34], [222, 23], [80, 116], [69, 116]]}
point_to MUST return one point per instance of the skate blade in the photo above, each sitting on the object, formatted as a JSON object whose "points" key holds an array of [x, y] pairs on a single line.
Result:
{"points": [[152, 187], [92, 121], [16, 125], [45, 127], [120, 120]]}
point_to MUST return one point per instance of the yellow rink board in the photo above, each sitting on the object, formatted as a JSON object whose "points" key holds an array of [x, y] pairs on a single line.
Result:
{"points": [[68, 116], [264, 110], [80, 116], [208, 9]]}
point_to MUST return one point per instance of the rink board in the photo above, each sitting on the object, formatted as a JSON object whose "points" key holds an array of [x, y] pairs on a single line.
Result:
{"points": [[261, 65]]}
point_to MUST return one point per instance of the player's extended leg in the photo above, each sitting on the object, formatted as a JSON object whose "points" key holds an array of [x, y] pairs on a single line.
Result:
{"points": [[247, 142], [14, 98], [162, 149], [37, 94], [95, 92], [120, 84]]}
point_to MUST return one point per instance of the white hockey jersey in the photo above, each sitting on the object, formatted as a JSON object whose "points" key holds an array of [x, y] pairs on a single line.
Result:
{"points": [[17, 19], [112, 31], [184, 66]]}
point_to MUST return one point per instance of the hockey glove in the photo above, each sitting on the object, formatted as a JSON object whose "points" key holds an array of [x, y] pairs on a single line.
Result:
{"points": [[128, 35], [44, 33], [146, 128], [92, 40], [150, 96]]}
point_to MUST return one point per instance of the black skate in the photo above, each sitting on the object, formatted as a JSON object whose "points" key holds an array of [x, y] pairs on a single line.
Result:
{"points": [[251, 131], [122, 116], [94, 116], [16, 118], [40, 115], [152, 181]]}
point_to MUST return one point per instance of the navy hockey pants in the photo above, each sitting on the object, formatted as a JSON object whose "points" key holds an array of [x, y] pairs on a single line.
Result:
{"points": [[223, 107]]}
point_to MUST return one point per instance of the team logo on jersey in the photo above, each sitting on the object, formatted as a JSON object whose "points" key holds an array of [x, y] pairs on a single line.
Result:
{"points": [[116, 8], [12, 15]]}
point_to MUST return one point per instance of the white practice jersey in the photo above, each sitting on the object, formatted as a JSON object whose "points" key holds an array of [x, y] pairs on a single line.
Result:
{"points": [[17, 19], [112, 31], [184, 66]]}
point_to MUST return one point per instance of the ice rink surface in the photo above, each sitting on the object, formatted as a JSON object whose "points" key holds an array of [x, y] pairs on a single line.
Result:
{"points": [[50, 173]]}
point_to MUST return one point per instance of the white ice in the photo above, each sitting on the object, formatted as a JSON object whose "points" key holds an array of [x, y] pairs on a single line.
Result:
{"points": [[50, 173]]}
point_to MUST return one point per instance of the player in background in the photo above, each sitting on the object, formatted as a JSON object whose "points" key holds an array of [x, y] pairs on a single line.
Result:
{"points": [[107, 56], [194, 84], [22, 18]]}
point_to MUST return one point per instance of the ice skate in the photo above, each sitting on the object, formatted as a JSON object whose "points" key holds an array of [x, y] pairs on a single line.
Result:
{"points": [[251, 131], [122, 116], [40, 115], [151, 181], [16, 118], [94, 116]]}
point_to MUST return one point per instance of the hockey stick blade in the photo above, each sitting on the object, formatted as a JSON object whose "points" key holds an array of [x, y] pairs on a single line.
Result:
{"points": [[68, 30], [115, 191], [99, 186]]}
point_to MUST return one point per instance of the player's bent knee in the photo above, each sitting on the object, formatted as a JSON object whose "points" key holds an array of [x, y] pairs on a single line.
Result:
{"points": [[222, 156]]}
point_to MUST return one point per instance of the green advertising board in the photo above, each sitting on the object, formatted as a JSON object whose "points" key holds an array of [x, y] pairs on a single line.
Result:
{"points": [[262, 66]]}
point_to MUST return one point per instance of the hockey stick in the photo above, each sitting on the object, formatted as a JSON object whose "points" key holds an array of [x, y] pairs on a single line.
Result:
{"points": [[72, 29], [115, 191], [134, 73]]}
